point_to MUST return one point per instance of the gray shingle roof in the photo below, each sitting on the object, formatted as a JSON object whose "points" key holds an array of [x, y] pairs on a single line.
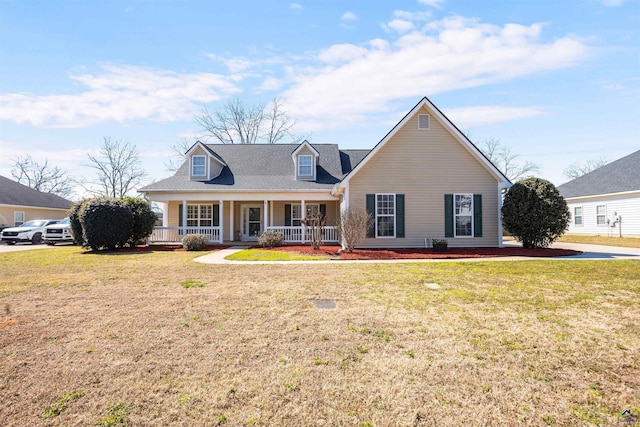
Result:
{"points": [[616, 177], [264, 167], [14, 193]]}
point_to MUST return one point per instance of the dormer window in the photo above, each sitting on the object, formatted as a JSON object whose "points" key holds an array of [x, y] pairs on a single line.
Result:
{"points": [[305, 163], [198, 165]]}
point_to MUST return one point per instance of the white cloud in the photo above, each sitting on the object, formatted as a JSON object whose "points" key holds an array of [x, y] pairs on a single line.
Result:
{"points": [[270, 84], [121, 94], [296, 7], [400, 26], [432, 3], [348, 16], [449, 54], [481, 115]]}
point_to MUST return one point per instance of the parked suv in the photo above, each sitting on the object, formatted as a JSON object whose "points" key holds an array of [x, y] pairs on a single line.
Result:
{"points": [[30, 231], [60, 232]]}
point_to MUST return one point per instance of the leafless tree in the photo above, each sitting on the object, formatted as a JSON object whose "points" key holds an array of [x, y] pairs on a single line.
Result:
{"points": [[239, 123], [179, 154], [42, 176], [352, 227], [118, 169], [577, 169], [507, 161], [314, 225]]}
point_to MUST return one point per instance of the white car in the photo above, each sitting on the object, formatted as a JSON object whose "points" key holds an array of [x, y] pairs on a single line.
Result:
{"points": [[60, 232], [30, 231]]}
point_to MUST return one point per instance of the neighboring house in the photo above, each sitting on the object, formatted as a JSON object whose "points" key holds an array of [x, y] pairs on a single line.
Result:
{"points": [[20, 203], [606, 201], [423, 180]]}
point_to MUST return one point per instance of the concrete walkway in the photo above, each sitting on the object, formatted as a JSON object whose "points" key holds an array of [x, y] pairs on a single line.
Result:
{"points": [[590, 252]]}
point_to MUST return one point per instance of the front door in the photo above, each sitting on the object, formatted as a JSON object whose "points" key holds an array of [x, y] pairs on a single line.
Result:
{"points": [[251, 222]]}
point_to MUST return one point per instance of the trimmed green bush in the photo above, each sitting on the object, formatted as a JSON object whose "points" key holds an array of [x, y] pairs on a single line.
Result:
{"points": [[535, 213], [74, 221], [194, 242], [107, 223], [144, 219], [271, 239]]}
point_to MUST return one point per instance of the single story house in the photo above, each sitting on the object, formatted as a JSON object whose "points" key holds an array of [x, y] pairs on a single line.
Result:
{"points": [[20, 203], [423, 180], [606, 201]]}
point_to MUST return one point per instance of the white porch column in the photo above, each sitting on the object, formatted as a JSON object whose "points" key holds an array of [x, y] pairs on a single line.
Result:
{"points": [[303, 215], [221, 216], [184, 217], [266, 215], [232, 234]]}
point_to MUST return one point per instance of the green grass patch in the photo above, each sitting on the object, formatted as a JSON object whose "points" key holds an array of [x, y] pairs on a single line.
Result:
{"points": [[272, 255], [116, 416], [192, 284], [61, 405]]}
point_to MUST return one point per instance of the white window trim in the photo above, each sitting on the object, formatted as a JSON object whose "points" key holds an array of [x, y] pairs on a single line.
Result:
{"points": [[14, 218], [581, 216], [395, 206], [604, 223], [199, 216], [307, 206], [428, 122], [455, 215], [310, 174], [193, 165]]}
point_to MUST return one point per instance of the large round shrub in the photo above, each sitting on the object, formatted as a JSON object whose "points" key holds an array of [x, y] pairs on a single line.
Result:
{"points": [[144, 219], [74, 221], [535, 213], [107, 223]]}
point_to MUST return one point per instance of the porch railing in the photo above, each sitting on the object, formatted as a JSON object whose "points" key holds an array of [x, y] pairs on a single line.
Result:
{"points": [[294, 234], [175, 234]]}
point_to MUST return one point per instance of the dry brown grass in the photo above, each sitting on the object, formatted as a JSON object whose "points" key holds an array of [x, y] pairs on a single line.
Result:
{"points": [[626, 242], [526, 343]]}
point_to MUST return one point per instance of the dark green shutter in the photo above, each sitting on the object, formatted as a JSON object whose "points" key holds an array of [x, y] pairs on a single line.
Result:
{"points": [[323, 210], [180, 218], [216, 215], [371, 210], [477, 215], [399, 215], [287, 215], [448, 215]]}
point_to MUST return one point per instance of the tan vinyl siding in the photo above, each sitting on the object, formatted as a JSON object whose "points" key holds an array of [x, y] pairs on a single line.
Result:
{"points": [[6, 214], [424, 165]]}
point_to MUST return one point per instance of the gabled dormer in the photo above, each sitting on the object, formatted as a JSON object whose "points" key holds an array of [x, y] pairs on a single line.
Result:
{"points": [[305, 160], [204, 163]]}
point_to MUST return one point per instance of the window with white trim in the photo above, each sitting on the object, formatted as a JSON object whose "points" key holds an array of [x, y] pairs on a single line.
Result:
{"points": [[305, 165], [296, 212], [386, 215], [601, 214], [198, 165], [577, 215], [423, 121], [463, 215], [18, 218], [199, 215]]}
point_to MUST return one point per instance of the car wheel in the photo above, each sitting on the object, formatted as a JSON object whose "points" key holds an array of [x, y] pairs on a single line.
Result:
{"points": [[36, 239]]}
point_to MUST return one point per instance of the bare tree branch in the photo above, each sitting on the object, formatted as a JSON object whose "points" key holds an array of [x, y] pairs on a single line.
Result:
{"points": [[179, 155], [577, 169], [118, 169], [507, 161], [239, 123], [42, 177]]}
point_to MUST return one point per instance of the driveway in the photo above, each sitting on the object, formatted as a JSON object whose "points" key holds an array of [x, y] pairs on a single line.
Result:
{"points": [[593, 251], [21, 247]]}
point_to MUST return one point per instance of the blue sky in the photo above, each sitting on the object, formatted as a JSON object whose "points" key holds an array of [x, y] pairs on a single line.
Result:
{"points": [[557, 81]]}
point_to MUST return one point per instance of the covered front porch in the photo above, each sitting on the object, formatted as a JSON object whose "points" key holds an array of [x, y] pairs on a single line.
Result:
{"points": [[229, 221]]}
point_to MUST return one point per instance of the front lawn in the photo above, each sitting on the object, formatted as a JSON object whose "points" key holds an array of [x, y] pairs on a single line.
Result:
{"points": [[627, 242], [157, 339]]}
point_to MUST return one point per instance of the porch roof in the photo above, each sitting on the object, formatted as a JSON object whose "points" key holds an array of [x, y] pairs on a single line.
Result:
{"points": [[264, 167]]}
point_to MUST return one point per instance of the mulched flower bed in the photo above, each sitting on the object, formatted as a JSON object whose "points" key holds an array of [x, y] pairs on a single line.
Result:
{"points": [[421, 253]]}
